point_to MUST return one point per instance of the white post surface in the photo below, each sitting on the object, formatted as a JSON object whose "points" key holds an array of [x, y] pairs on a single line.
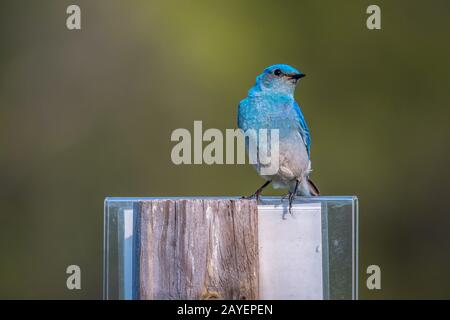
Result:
{"points": [[128, 254], [290, 252]]}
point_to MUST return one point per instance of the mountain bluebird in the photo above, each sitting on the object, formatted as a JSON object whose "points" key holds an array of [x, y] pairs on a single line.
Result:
{"points": [[270, 104]]}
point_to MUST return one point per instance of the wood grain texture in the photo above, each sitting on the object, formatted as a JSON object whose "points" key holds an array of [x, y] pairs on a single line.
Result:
{"points": [[198, 249]]}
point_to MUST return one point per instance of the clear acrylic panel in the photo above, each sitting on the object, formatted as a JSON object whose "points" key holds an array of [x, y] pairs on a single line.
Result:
{"points": [[311, 254]]}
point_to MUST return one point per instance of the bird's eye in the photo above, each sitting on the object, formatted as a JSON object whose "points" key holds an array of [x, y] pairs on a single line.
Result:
{"points": [[277, 72]]}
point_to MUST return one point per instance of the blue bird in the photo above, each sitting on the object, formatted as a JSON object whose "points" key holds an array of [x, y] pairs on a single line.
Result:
{"points": [[270, 104]]}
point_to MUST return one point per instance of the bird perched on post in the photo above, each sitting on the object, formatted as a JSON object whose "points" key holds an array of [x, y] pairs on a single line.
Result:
{"points": [[270, 104]]}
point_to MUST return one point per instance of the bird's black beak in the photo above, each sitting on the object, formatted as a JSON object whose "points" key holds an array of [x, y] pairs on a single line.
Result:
{"points": [[297, 76]]}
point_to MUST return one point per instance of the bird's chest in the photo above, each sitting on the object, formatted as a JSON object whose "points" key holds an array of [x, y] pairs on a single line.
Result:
{"points": [[268, 114]]}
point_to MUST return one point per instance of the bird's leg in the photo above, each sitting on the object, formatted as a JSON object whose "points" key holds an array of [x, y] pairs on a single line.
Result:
{"points": [[292, 195], [257, 193]]}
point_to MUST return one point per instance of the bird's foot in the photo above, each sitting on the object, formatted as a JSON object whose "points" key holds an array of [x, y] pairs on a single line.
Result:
{"points": [[257, 193], [292, 195]]}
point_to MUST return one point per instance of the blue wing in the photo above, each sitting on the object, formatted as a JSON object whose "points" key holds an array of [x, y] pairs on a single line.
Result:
{"points": [[304, 130]]}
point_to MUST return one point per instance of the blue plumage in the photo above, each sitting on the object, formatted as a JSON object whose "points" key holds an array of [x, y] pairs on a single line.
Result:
{"points": [[304, 128], [270, 104]]}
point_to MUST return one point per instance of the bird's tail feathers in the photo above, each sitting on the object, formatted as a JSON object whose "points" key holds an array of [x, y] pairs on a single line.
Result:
{"points": [[312, 188]]}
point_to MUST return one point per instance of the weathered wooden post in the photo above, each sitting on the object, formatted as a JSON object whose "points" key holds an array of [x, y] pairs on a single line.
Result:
{"points": [[198, 249]]}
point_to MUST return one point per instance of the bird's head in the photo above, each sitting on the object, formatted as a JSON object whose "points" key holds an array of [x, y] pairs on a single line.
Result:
{"points": [[278, 78]]}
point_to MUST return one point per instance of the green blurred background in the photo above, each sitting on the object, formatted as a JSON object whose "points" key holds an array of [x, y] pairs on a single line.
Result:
{"points": [[88, 114]]}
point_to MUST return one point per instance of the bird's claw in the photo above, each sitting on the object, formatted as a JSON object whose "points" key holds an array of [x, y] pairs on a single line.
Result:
{"points": [[292, 195], [250, 197], [257, 193], [291, 199]]}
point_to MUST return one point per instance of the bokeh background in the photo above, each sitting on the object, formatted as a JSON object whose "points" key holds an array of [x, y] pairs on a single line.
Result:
{"points": [[88, 114]]}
